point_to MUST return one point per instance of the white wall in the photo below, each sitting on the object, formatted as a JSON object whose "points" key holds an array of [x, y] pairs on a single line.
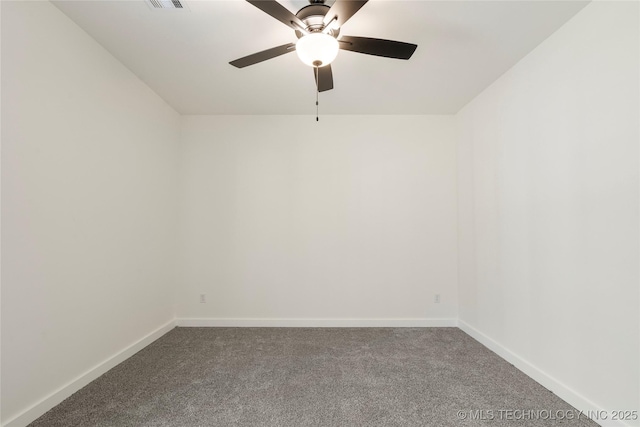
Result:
{"points": [[548, 173], [89, 175], [353, 217]]}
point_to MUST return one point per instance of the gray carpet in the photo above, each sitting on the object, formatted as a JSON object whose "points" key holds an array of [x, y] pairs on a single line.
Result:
{"points": [[314, 377]]}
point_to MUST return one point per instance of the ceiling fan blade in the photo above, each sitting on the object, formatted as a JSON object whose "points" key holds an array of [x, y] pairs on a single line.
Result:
{"points": [[378, 47], [324, 78], [278, 11], [263, 56], [342, 10]]}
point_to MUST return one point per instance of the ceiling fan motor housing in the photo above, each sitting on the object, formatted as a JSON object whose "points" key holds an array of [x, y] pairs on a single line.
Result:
{"points": [[313, 17]]}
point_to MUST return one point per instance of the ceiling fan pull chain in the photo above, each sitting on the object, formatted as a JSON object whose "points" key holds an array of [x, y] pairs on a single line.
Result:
{"points": [[317, 92]]}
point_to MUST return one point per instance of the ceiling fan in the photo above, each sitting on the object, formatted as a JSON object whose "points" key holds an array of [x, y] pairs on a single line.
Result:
{"points": [[317, 27]]}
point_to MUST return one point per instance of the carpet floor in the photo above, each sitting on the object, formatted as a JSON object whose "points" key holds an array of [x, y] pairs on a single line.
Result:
{"points": [[314, 377]]}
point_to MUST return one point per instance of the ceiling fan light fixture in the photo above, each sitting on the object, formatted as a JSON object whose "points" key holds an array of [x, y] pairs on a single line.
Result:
{"points": [[317, 49]]}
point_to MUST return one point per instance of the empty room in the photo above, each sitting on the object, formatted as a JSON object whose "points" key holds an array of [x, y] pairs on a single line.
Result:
{"points": [[320, 213]]}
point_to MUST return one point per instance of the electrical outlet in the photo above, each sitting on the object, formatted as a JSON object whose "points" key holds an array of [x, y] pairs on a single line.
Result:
{"points": [[436, 299], [203, 298]]}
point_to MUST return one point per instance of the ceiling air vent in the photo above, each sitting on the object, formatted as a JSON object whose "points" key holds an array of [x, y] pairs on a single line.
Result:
{"points": [[165, 4]]}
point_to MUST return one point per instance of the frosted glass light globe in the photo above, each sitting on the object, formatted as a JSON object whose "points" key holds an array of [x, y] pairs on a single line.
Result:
{"points": [[317, 49]]}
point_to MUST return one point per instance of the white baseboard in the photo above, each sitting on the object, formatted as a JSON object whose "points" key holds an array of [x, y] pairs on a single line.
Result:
{"points": [[561, 390], [317, 323], [67, 390]]}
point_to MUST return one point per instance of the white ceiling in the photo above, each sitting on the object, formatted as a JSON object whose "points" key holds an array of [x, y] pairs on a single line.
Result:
{"points": [[183, 55]]}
